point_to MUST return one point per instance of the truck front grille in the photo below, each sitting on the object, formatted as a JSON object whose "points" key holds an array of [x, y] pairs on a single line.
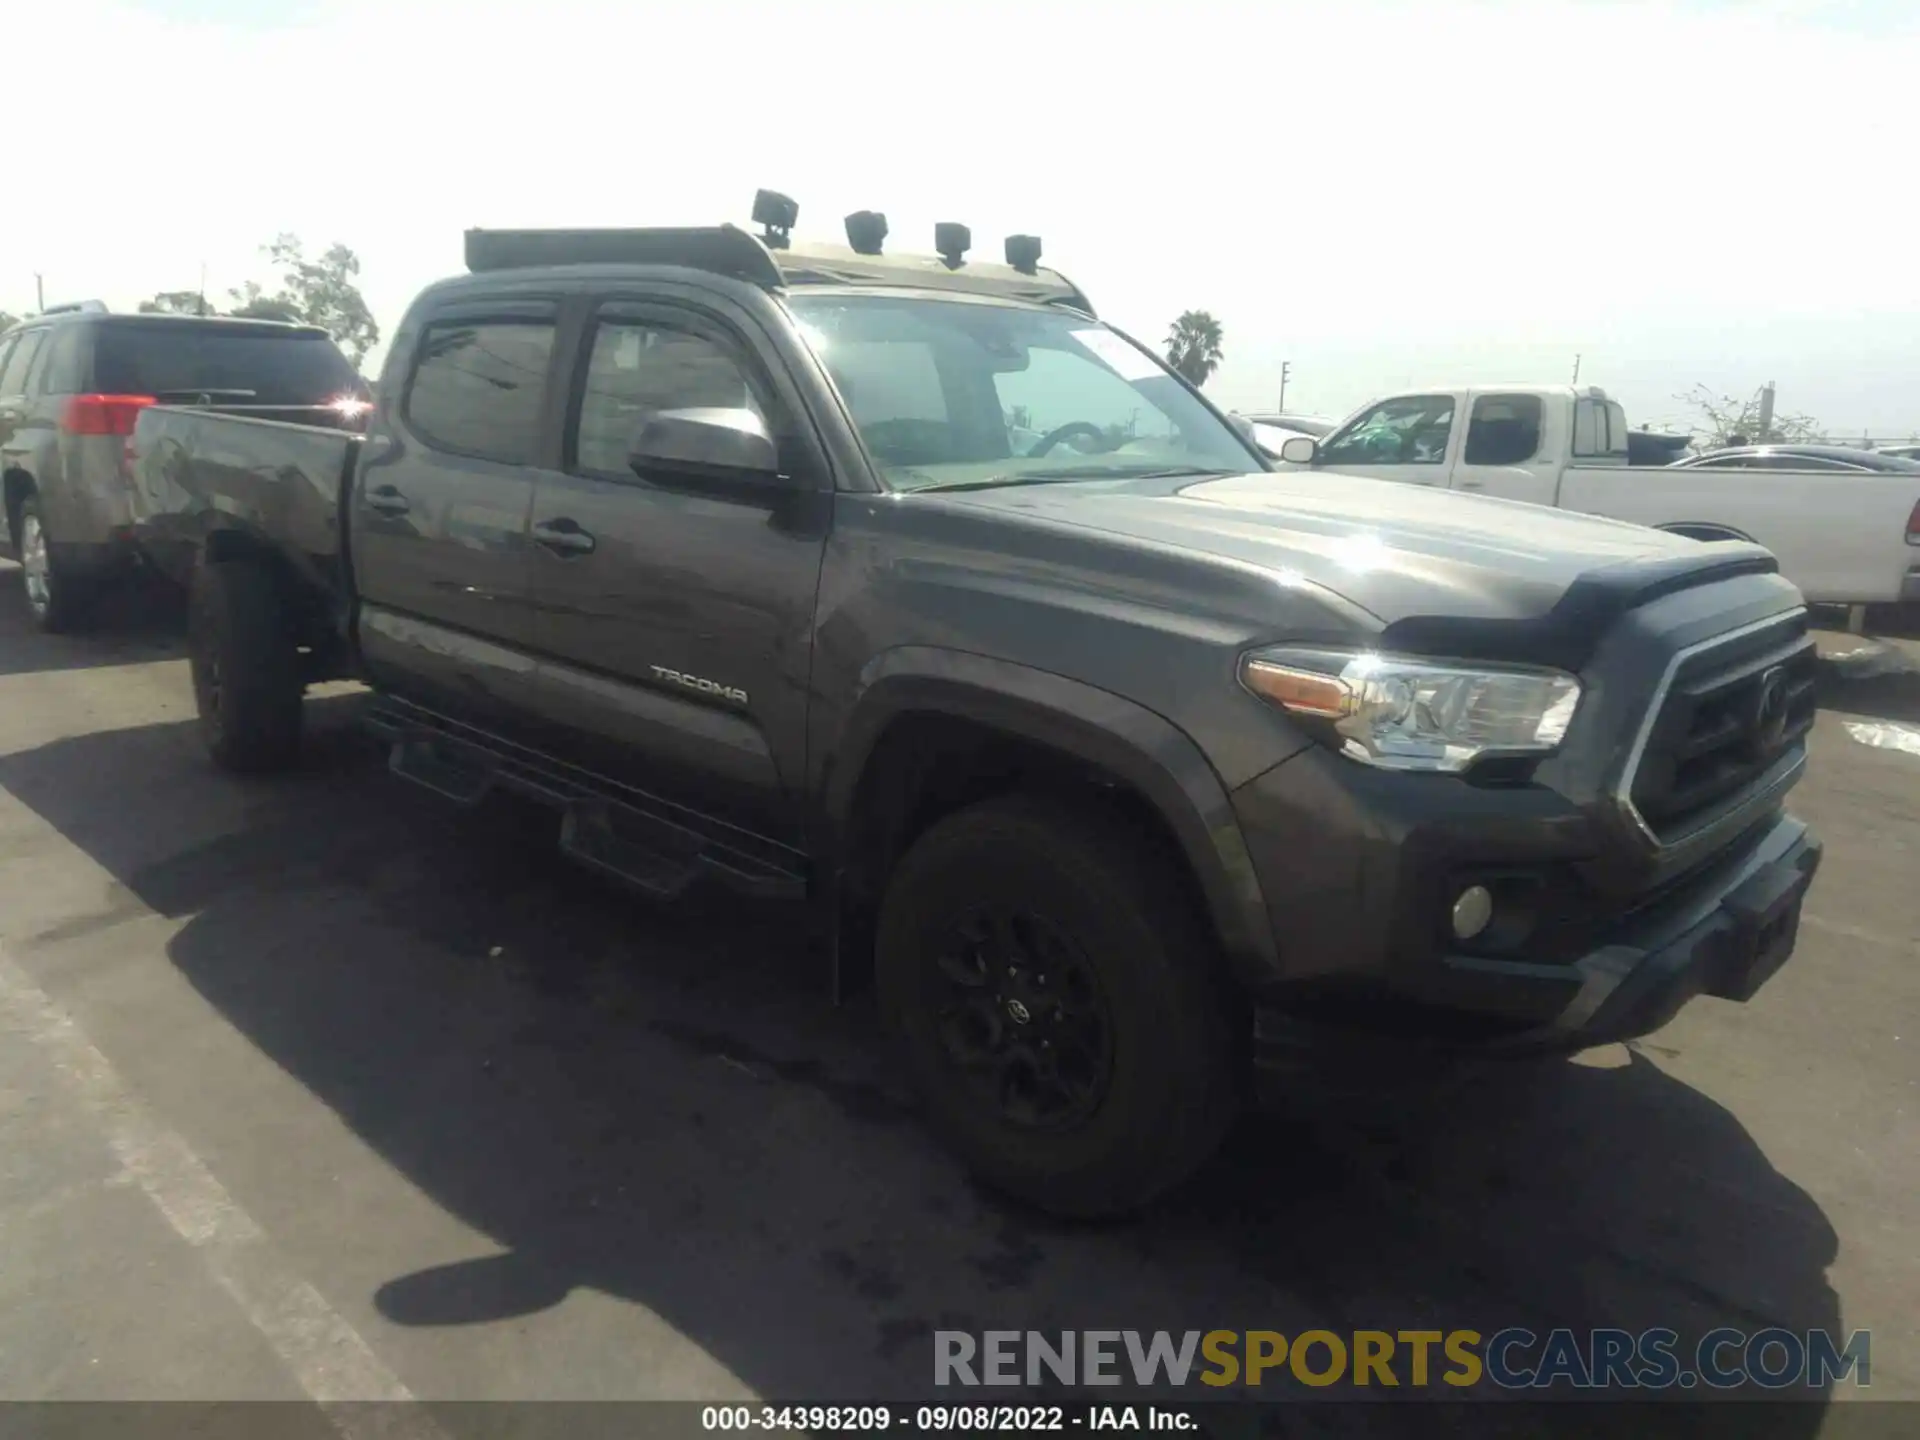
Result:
{"points": [[1731, 719]]}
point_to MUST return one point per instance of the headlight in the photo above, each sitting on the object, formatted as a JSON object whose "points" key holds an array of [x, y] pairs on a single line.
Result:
{"points": [[1403, 714]]}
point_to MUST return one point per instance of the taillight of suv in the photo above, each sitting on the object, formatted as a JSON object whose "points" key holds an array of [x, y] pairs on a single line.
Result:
{"points": [[1913, 524], [102, 414]]}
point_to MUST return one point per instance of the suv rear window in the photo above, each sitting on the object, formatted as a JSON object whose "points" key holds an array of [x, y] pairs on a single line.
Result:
{"points": [[181, 360]]}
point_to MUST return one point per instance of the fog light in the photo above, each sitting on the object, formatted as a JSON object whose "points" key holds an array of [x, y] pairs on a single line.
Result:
{"points": [[1472, 911]]}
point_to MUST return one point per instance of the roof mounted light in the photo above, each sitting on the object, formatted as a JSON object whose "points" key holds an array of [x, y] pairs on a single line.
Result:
{"points": [[776, 213], [952, 241], [1023, 253], [866, 231]]}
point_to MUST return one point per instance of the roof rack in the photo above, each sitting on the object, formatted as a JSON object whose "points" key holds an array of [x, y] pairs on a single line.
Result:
{"points": [[723, 249], [78, 307], [729, 250]]}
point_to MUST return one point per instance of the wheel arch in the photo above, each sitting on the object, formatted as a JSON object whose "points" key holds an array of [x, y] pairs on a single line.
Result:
{"points": [[908, 695]]}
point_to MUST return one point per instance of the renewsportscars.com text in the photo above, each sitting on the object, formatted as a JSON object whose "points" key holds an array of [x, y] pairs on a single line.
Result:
{"points": [[1512, 1359]]}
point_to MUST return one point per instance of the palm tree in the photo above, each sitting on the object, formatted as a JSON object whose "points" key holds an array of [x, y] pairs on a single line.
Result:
{"points": [[1193, 346]]}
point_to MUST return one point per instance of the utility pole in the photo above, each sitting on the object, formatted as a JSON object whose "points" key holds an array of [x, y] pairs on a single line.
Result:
{"points": [[1286, 369], [1576, 369], [1766, 413], [39, 293], [203, 289]]}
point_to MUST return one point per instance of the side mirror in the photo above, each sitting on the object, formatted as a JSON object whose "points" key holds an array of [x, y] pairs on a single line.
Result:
{"points": [[708, 443], [1299, 450]]}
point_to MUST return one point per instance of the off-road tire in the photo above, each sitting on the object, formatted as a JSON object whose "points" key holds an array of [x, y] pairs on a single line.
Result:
{"points": [[1171, 1092], [246, 667]]}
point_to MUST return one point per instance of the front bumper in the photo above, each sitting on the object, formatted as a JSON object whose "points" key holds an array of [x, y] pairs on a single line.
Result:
{"points": [[1359, 903]]}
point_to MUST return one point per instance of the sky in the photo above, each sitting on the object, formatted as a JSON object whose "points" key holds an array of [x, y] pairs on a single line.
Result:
{"points": [[1380, 193]]}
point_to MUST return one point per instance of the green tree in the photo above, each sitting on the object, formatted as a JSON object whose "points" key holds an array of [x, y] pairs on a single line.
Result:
{"points": [[1194, 346], [176, 302], [1723, 420], [321, 292], [256, 304]]}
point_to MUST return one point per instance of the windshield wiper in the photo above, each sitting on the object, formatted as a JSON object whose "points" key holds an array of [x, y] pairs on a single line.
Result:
{"points": [[1078, 472], [1172, 472], [992, 482]]}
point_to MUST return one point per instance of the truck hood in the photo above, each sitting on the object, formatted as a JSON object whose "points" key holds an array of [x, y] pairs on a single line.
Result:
{"points": [[1398, 551]]}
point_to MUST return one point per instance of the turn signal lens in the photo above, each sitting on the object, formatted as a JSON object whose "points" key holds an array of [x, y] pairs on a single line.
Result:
{"points": [[1300, 691]]}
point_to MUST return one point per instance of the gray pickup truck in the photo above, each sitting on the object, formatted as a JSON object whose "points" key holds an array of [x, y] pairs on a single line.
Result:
{"points": [[1129, 771]]}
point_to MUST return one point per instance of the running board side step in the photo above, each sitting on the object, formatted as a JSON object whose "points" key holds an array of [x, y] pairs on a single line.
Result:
{"points": [[419, 759], [604, 826], [588, 835]]}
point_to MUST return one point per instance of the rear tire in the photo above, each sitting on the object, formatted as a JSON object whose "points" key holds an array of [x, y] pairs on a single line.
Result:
{"points": [[57, 600], [1098, 936], [246, 667]]}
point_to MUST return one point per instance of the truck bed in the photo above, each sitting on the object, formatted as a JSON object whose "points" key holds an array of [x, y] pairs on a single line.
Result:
{"points": [[280, 485], [1842, 538]]}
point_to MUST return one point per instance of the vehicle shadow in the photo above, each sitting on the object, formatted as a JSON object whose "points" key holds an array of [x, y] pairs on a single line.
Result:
{"points": [[135, 624], [1877, 679], [660, 1104]]}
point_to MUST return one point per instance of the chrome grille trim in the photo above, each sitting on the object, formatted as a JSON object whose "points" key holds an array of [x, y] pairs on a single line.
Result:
{"points": [[1763, 792]]}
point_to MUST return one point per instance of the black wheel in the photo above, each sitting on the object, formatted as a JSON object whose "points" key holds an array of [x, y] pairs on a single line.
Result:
{"points": [[1053, 998], [57, 599], [246, 667]]}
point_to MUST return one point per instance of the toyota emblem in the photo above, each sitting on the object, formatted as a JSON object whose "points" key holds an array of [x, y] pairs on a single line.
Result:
{"points": [[1770, 711]]}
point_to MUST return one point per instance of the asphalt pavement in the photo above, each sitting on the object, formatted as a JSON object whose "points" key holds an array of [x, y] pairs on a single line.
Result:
{"points": [[315, 1087]]}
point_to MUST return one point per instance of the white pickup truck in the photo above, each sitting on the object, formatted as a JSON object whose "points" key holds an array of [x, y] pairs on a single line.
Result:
{"points": [[1843, 538]]}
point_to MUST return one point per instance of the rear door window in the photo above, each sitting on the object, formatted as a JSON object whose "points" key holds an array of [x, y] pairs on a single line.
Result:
{"points": [[184, 359], [1505, 430], [60, 375], [479, 387], [13, 375]]}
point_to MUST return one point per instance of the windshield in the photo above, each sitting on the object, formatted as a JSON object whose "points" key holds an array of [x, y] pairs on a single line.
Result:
{"points": [[952, 392]]}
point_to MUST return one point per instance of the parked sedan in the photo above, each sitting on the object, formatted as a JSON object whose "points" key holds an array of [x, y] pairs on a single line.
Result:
{"points": [[1801, 457]]}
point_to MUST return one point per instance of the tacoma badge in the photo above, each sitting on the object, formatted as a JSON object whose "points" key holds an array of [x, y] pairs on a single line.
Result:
{"points": [[705, 687]]}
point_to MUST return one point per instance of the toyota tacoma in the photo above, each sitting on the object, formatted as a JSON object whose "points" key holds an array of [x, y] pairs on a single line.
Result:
{"points": [[1128, 770]]}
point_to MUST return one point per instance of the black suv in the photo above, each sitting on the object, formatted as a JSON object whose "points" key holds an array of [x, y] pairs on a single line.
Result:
{"points": [[72, 381]]}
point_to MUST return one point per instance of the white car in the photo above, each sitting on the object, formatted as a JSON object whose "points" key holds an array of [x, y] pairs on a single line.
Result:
{"points": [[1843, 536]]}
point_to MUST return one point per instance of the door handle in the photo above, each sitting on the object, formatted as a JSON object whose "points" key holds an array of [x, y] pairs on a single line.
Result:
{"points": [[1473, 484], [387, 500], [563, 536]]}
